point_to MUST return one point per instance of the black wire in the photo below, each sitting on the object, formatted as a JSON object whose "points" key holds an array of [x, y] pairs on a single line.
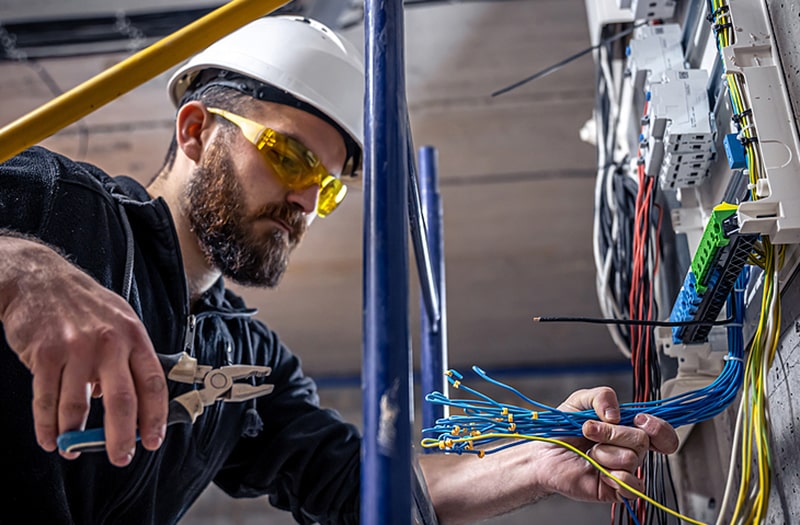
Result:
{"points": [[558, 65], [630, 322]]}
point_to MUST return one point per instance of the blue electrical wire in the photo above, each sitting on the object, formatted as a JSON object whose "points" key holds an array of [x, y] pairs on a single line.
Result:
{"points": [[487, 416], [631, 512]]}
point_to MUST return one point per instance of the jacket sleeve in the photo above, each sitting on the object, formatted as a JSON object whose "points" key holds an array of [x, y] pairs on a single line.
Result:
{"points": [[27, 185], [307, 459], [63, 204]]}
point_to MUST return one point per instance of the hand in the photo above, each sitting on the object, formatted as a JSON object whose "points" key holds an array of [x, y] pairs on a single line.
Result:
{"points": [[619, 449], [78, 338]]}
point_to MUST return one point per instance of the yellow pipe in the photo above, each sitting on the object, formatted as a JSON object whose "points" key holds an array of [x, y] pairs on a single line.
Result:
{"points": [[137, 69]]}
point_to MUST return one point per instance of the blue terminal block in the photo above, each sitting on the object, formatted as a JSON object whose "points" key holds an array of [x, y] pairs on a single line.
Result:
{"points": [[685, 307], [735, 152]]}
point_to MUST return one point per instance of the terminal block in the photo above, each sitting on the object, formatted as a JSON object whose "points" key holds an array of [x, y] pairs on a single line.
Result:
{"points": [[714, 239], [722, 254]]}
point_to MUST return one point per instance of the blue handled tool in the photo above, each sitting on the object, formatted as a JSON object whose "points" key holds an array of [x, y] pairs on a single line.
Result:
{"points": [[219, 385]]}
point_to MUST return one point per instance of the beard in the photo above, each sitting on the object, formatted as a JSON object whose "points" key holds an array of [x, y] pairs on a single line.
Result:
{"points": [[226, 233]]}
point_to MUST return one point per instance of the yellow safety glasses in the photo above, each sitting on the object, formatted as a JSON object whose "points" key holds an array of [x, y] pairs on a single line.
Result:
{"points": [[296, 165]]}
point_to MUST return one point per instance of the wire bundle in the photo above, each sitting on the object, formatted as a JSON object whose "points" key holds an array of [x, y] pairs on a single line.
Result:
{"points": [[752, 432], [614, 199], [487, 426], [462, 433]]}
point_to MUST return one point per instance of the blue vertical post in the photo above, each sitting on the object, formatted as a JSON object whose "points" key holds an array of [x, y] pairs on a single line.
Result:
{"points": [[386, 447], [433, 356]]}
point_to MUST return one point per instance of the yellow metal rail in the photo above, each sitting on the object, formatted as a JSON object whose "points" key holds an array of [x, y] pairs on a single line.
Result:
{"points": [[135, 70]]}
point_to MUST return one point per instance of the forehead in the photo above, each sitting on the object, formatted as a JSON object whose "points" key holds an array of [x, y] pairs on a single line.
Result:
{"points": [[311, 131]]}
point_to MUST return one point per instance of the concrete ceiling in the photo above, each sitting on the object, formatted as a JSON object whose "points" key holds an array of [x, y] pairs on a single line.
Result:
{"points": [[516, 184]]}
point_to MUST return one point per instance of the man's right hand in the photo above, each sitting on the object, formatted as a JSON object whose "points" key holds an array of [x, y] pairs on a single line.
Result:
{"points": [[78, 339]]}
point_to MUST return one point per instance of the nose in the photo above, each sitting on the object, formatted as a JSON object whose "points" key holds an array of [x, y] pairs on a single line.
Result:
{"points": [[305, 199]]}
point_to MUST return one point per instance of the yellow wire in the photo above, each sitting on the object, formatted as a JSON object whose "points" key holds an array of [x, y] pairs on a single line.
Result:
{"points": [[434, 443], [762, 353]]}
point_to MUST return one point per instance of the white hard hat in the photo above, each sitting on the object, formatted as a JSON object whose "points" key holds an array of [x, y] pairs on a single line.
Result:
{"points": [[299, 56]]}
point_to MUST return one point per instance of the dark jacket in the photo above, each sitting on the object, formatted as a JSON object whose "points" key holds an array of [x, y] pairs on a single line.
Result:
{"points": [[305, 458]]}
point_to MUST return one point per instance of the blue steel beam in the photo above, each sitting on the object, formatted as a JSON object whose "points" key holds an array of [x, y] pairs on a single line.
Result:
{"points": [[433, 349], [386, 379]]}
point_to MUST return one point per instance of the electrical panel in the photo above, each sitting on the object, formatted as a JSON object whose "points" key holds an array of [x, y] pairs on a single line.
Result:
{"points": [[697, 219]]}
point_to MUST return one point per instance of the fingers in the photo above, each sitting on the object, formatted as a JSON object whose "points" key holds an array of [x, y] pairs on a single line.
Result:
{"points": [[121, 408], [621, 447], [80, 339], [151, 386], [663, 437], [602, 399], [615, 491], [73, 401], [134, 396], [46, 387]]}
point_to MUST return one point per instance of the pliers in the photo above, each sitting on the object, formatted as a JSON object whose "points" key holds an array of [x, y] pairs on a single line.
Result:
{"points": [[218, 385]]}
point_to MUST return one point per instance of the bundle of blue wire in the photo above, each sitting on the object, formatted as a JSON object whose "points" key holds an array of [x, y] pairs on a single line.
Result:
{"points": [[487, 416]]}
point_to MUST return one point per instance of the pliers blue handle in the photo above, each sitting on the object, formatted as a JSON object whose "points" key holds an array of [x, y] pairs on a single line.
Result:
{"points": [[219, 385]]}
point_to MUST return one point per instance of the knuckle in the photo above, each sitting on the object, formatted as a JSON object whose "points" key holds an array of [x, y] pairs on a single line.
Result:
{"points": [[45, 403], [629, 459], [604, 390], [154, 385], [641, 441], [608, 433], [120, 402], [106, 335], [74, 407]]}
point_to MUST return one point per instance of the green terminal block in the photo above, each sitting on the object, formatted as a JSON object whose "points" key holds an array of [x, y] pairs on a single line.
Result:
{"points": [[714, 238]]}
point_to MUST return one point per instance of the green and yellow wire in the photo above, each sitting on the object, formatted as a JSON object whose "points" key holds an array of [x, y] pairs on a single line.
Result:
{"points": [[754, 484]]}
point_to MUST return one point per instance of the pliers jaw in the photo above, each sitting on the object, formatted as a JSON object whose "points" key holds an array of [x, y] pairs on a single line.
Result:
{"points": [[219, 384]]}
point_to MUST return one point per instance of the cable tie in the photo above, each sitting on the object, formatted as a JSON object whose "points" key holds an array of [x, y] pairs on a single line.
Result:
{"points": [[719, 27], [728, 357], [746, 141], [715, 13], [737, 117]]}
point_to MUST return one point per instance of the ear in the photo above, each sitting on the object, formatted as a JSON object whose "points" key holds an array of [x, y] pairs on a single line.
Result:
{"points": [[193, 129]]}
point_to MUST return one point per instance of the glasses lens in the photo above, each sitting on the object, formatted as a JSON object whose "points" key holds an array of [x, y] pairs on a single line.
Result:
{"points": [[298, 168], [331, 194]]}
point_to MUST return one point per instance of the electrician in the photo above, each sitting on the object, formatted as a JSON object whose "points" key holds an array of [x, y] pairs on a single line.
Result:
{"points": [[100, 276]]}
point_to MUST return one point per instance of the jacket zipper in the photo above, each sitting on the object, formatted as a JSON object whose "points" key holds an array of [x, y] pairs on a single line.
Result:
{"points": [[188, 338]]}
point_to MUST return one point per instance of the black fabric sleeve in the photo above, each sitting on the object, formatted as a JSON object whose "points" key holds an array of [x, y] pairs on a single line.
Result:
{"points": [[27, 185], [306, 458]]}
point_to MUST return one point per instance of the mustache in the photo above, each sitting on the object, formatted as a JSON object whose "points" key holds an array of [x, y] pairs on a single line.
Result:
{"points": [[287, 214]]}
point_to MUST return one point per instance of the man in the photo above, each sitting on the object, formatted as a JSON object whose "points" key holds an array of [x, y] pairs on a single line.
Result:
{"points": [[100, 276]]}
